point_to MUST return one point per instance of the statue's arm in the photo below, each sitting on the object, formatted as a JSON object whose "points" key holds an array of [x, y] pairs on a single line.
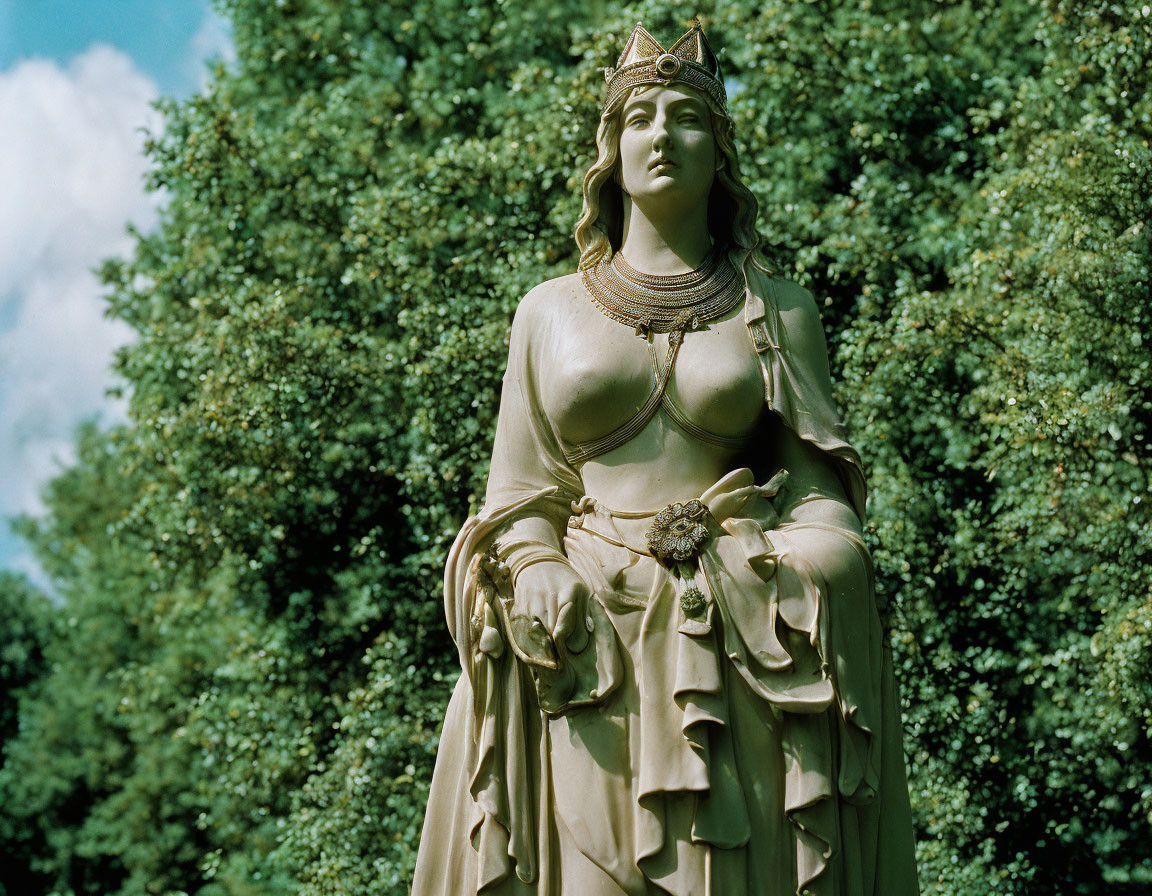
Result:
{"points": [[526, 455], [526, 461], [814, 508]]}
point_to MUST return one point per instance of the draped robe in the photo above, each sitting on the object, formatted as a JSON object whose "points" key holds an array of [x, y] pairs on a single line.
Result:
{"points": [[754, 751]]}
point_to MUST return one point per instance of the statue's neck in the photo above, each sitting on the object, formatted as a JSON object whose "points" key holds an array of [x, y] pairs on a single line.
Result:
{"points": [[667, 243]]}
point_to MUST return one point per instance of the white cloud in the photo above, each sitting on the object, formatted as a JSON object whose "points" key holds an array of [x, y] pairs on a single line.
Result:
{"points": [[212, 41], [71, 177]]}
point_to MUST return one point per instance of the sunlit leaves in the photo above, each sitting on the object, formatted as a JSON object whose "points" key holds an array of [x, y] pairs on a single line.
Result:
{"points": [[241, 691]]}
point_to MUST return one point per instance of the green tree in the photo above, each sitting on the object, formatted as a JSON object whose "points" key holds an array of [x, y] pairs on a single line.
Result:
{"points": [[242, 692], [25, 632]]}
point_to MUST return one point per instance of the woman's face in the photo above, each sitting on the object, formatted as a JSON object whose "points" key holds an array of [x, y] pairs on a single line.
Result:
{"points": [[667, 150]]}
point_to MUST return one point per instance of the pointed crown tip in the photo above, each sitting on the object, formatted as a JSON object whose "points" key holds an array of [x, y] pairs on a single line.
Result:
{"points": [[689, 60]]}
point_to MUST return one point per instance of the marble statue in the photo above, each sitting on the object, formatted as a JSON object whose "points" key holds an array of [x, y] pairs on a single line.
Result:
{"points": [[674, 675]]}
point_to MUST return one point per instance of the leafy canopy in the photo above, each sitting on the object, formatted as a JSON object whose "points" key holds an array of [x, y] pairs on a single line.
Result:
{"points": [[241, 689]]}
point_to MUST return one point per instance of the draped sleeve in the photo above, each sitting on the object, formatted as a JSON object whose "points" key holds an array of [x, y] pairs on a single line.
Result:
{"points": [[526, 454], [784, 325], [493, 748], [846, 788], [531, 486]]}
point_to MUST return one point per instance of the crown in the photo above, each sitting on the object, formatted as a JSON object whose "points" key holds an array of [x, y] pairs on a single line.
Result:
{"points": [[688, 61]]}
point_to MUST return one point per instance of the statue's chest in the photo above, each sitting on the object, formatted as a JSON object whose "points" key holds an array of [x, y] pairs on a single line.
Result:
{"points": [[602, 374]]}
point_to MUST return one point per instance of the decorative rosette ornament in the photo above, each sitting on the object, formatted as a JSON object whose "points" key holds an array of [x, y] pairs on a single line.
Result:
{"points": [[693, 602], [678, 532]]}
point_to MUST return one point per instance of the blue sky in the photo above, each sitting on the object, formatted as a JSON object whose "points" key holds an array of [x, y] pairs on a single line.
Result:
{"points": [[77, 82], [159, 36]]}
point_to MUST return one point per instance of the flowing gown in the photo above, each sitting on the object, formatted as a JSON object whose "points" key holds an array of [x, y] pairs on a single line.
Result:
{"points": [[750, 748]]}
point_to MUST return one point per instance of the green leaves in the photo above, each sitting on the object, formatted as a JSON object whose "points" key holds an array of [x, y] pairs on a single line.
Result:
{"points": [[241, 688]]}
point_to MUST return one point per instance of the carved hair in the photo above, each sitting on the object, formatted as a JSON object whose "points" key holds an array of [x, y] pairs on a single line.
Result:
{"points": [[732, 209]]}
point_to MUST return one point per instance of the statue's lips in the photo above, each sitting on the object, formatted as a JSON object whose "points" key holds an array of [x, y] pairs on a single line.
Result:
{"points": [[661, 164]]}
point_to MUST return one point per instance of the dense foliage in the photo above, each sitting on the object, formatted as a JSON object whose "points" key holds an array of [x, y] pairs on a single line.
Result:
{"points": [[240, 690]]}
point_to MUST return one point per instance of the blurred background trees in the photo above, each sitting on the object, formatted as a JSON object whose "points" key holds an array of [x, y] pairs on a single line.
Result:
{"points": [[238, 688]]}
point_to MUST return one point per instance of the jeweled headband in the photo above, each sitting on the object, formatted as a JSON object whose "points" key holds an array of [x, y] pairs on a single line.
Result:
{"points": [[689, 61]]}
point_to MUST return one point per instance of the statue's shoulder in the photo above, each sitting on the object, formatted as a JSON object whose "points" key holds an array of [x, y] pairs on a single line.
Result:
{"points": [[551, 297], [556, 290], [795, 305], [795, 309], [789, 297]]}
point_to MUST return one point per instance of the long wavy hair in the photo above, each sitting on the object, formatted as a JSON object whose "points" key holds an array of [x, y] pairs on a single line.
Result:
{"points": [[732, 209]]}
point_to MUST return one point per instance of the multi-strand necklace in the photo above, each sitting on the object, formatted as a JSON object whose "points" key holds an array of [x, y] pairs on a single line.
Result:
{"points": [[662, 304]]}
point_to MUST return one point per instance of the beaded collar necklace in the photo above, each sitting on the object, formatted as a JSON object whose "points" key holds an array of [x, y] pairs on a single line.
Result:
{"points": [[662, 304]]}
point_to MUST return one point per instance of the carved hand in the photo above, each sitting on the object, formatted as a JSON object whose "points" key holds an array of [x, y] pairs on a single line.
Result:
{"points": [[554, 594]]}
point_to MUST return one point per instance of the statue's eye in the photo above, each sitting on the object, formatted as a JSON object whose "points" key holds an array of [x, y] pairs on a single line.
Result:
{"points": [[637, 121]]}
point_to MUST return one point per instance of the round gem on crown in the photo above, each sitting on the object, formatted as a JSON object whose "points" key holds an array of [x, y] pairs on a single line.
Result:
{"points": [[667, 65]]}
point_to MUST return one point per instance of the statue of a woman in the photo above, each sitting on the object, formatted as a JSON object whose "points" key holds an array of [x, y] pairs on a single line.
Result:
{"points": [[674, 675]]}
